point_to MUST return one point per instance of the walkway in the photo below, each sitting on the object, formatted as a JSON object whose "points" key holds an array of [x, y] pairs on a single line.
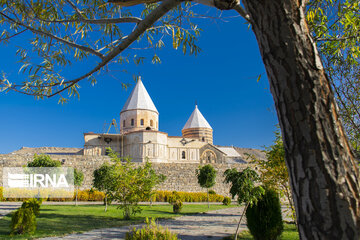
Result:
{"points": [[211, 225]]}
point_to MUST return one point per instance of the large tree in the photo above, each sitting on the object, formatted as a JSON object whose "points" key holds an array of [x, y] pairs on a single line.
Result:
{"points": [[322, 168]]}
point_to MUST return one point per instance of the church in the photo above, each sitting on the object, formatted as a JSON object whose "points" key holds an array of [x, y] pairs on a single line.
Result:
{"points": [[141, 140]]}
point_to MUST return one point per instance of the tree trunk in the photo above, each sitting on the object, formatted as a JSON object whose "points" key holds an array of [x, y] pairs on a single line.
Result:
{"points": [[208, 198], [105, 202], [242, 215], [323, 172], [76, 196]]}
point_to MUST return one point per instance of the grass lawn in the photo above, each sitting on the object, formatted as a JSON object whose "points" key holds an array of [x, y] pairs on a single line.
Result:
{"points": [[290, 233], [56, 220]]}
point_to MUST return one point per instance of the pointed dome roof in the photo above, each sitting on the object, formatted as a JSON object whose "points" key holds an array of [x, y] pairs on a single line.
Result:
{"points": [[139, 99], [196, 120]]}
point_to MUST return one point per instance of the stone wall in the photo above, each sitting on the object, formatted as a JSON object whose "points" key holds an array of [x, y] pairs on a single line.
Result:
{"points": [[179, 176]]}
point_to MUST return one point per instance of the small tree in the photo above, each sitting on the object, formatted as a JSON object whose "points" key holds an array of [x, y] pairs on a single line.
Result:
{"points": [[104, 181], [78, 180], [273, 171], [132, 184], [243, 186], [206, 178], [43, 161]]}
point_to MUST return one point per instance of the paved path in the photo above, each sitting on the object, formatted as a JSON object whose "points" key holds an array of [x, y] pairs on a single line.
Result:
{"points": [[211, 225], [7, 207]]}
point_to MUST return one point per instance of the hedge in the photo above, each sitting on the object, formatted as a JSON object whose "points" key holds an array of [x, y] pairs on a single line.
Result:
{"points": [[159, 196]]}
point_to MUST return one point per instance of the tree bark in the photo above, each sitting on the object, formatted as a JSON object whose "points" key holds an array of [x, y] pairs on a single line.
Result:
{"points": [[238, 226], [323, 172]]}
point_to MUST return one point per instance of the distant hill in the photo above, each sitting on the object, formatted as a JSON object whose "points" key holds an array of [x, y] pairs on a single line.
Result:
{"points": [[48, 150], [251, 151]]}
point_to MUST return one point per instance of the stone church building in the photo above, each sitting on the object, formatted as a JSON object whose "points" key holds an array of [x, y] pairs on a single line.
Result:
{"points": [[141, 139]]}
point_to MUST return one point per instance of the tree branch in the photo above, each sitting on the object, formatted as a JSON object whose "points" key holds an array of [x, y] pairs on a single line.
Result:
{"points": [[155, 15], [95, 21], [71, 44], [336, 39], [242, 12], [15, 34]]}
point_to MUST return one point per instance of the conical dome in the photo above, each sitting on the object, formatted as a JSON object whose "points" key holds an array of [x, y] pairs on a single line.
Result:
{"points": [[139, 99], [196, 120]]}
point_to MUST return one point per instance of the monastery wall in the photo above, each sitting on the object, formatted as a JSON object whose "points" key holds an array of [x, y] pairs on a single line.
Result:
{"points": [[179, 176]]}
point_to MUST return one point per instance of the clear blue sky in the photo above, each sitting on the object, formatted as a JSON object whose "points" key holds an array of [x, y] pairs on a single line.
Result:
{"points": [[222, 79]]}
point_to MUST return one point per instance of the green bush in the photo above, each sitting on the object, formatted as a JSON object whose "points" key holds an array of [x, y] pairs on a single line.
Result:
{"points": [[177, 206], [23, 221], [212, 192], [264, 219], [151, 231], [226, 201], [33, 204]]}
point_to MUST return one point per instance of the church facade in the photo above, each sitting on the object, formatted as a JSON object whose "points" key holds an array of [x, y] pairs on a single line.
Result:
{"points": [[141, 140]]}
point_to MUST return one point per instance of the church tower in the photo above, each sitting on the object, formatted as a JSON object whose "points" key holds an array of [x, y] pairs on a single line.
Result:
{"points": [[197, 127], [139, 111]]}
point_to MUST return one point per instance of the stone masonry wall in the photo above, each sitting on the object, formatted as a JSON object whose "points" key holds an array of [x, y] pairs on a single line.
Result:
{"points": [[179, 176]]}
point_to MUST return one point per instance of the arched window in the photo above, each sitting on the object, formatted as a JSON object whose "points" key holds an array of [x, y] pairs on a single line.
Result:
{"points": [[142, 122], [151, 123], [209, 158], [183, 155], [123, 123], [132, 122]]}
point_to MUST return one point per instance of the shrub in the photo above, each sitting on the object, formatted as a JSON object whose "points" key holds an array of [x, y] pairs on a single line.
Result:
{"points": [[151, 231], [177, 206], [33, 204], [264, 219], [23, 221], [212, 192], [226, 201]]}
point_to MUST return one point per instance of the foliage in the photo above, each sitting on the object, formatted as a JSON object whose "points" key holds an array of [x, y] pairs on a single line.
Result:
{"points": [[132, 184], [151, 231], [206, 176], [24, 219], [61, 33], [290, 233], [159, 196], [174, 200], [177, 206], [78, 177], [163, 196], [273, 171], [335, 27], [212, 192], [173, 197], [226, 201], [33, 204], [243, 186], [104, 181], [264, 218], [78, 180], [43, 161]]}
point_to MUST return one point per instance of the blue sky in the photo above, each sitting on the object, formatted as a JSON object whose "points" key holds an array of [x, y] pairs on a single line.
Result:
{"points": [[222, 79]]}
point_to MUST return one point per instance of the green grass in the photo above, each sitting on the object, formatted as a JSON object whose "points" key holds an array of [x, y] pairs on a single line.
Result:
{"points": [[57, 220], [290, 233]]}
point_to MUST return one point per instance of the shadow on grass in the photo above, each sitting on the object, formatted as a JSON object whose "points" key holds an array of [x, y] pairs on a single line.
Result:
{"points": [[52, 224]]}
